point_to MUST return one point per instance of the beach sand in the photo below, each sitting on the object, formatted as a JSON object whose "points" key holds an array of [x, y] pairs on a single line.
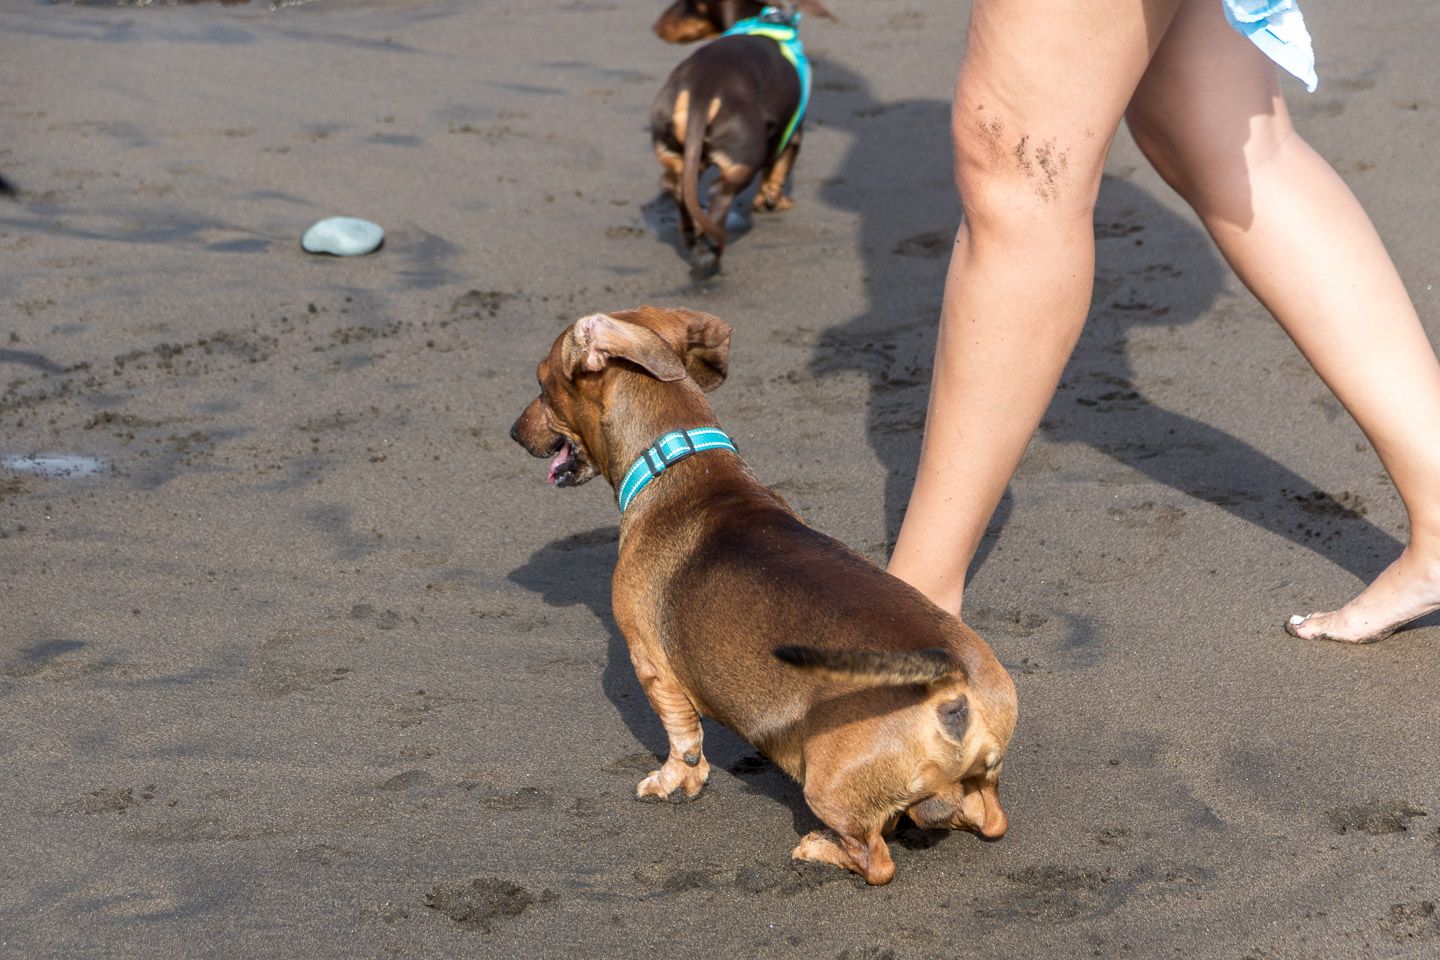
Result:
{"points": [[312, 663]]}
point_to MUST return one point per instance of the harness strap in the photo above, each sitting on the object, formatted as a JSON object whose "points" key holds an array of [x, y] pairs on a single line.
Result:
{"points": [[774, 25]]}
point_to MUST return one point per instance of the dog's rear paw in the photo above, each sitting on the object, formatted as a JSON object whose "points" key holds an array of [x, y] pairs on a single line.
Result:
{"points": [[779, 205], [821, 846], [704, 262], [873, 862]]}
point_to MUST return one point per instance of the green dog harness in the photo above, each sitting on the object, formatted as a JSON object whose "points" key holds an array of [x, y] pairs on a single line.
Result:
{"points": [[785, 31]]}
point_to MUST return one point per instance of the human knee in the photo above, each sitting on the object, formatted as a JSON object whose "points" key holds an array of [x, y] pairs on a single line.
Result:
{"points": [[1009, 177]]}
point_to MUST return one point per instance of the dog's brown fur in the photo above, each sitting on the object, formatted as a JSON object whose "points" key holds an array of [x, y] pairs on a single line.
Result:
{"points": [[855, 684]]}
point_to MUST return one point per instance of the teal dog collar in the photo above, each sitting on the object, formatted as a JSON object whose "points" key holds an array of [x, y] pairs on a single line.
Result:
{"points": [[784, 30], [667, 451]]}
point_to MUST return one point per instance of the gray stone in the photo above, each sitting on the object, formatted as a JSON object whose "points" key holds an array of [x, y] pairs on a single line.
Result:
{"points": [[343, 237]]}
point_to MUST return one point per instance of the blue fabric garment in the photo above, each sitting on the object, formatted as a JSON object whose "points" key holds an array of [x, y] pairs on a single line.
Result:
{"points": [[785, 31], [1278, 29]]}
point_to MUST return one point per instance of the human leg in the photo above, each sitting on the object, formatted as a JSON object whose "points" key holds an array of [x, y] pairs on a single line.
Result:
{"points": [[1039, 98], [1210, 117]]}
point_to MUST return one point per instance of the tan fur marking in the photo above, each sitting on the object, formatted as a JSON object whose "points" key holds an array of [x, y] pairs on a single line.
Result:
{"points": [[673, 165], [714, 109], [721, 160], [771, 195], [680, 117]]}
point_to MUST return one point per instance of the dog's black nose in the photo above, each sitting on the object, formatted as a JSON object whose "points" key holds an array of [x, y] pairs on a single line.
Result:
{"points": [[515, 431]]}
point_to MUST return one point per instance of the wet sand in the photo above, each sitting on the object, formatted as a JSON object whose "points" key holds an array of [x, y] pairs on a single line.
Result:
{"points": [[315, 665]]}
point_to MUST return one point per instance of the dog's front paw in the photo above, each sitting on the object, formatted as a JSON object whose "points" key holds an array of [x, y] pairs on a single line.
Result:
{"points": [[675, 781]]}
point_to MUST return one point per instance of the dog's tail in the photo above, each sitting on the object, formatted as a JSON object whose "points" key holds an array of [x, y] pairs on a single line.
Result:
{"points": [[695, 123], [883, 667]]}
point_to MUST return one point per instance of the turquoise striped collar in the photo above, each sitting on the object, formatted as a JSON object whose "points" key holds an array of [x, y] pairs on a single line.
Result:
{"points": [[665, 452]]}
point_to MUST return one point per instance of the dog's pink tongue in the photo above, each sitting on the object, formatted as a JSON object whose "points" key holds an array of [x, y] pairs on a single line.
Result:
{"points": [[559, 460]]}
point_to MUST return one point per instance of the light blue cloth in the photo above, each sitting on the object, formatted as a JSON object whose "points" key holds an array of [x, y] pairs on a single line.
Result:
{"points": [[1278, 29]]}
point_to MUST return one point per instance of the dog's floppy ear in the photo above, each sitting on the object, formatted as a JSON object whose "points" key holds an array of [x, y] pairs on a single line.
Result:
{"points": [[815, 8], [707, 348], [599, 337]]}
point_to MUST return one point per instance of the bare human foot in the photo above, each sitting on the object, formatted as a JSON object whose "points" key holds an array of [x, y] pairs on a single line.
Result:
{"points": [[1408, 589]]}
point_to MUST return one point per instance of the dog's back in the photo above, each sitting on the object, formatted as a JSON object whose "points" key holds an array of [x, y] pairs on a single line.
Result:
{"points": [[746, 91]]}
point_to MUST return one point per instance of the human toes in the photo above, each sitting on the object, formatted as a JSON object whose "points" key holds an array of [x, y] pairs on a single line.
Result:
{"points": [[1294, 625], [1323, 626]]}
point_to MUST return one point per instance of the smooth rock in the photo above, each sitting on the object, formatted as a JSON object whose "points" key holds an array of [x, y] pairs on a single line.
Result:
{"points": [[342, 236]]}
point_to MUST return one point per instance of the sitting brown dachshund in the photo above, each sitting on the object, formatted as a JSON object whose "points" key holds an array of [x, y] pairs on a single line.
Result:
{"points": [[876, 700], [738, 104]]}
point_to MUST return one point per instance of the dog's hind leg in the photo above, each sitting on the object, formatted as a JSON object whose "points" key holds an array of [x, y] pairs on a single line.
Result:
{"points": [[734, 178], [855, 839], [686, 768], [864, 852], [971, 804], [771, 195], [672, 182]]}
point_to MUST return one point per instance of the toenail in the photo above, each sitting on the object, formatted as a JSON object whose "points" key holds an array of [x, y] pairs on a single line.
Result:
{"points": [[1296, 620]]}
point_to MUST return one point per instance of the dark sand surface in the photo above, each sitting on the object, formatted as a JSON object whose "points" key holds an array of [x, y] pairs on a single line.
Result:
{"points": [[317, 666]]}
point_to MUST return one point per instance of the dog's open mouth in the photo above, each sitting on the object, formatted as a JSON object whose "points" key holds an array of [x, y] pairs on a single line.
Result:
{"points": [[563, 465]]}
